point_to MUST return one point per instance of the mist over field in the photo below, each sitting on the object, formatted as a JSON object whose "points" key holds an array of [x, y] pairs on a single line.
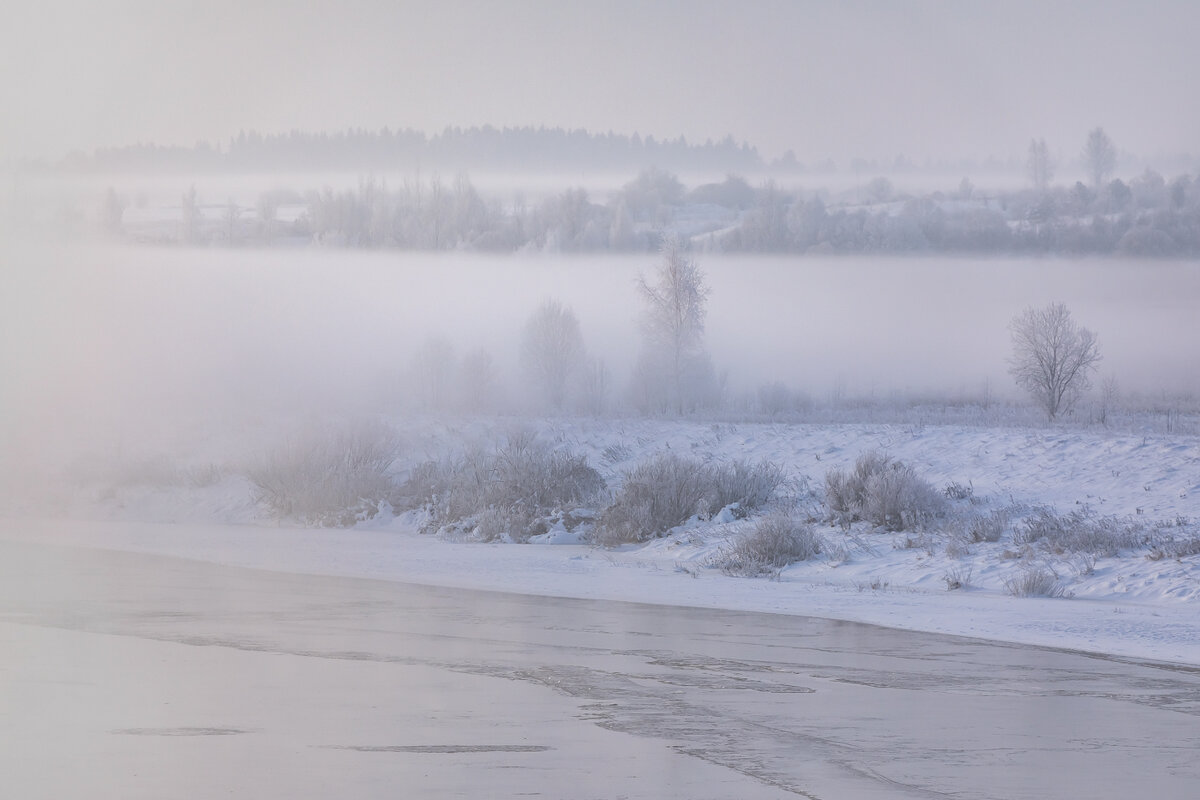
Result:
{"points": [[111, 342]]}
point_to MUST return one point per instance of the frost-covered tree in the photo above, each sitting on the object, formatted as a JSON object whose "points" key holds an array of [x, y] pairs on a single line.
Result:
{"points": [[765, 227], [552, 351], [1053, 358], [1099, 156], [1039, 165], [880, 190], [673, 328], [652, 195]]}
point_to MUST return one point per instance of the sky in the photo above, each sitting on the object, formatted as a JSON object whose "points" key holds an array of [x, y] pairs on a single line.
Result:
{"points": [[828, 80]]}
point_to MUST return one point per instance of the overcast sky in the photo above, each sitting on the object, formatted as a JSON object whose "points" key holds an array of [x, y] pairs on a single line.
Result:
{"points": [[870, 78]]}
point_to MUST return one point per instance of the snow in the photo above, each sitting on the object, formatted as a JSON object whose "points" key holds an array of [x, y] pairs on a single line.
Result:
{"points": [[1124, 606]]}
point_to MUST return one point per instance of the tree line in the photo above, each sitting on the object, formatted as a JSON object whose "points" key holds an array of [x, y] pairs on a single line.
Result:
{"points": [[1148, 216], [527, 149]]}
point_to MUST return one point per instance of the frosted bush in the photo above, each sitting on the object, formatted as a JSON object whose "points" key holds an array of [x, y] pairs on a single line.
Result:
{"points": [[748, 485], [330, 476], [772, 544], [513, 490], [884, 492], [1034, 582], [898, 499], [666, 490], [656, 495]]}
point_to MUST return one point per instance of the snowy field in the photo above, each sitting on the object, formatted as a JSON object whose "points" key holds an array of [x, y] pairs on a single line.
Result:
{"points": [[1140, 602]]}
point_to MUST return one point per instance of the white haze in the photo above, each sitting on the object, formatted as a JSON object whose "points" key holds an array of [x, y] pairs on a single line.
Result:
{"points": [[123, 346], [863, 78]]}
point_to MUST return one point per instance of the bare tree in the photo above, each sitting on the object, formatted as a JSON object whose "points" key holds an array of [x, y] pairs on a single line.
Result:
{"points": [[1039, 165], [1052, 357], [552, 351], [674, 321], [1099, 156]]}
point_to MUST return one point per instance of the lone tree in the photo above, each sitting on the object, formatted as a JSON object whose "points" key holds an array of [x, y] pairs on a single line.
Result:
{"points": [[674, 328], [1099, 156], [552, 351], [1052, 357]]}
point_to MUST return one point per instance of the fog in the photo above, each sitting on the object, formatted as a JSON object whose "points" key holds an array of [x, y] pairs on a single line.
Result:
{"points": [[130, 348], [867, 78]]}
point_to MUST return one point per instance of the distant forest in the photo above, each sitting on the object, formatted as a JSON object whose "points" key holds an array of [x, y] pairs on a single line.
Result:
{"points": [[525, 149], [1148, 216]]}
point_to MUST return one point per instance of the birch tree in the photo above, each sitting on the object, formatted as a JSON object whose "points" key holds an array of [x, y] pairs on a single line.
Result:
{"points": [[673, 326], [1053, 358]]}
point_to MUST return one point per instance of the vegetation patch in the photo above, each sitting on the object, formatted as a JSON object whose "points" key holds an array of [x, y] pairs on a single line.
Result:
{"points": [[1079, 531], [516, 490], [1034, 582], [668, 489], [773, 543], [884, 492], [331, 476]]}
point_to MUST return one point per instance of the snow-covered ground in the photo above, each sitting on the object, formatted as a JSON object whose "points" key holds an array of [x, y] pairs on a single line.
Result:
{"points": [[1129, 605]]}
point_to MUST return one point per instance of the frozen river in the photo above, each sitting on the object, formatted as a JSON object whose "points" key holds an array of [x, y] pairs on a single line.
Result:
{"points": [[137, 676]]}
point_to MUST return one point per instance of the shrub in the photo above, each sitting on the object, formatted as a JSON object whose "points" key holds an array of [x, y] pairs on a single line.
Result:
{"points": [[513, 490], [666, 490], [331, 476], [657, 495], [845, 493], [748, 485], [882, 491], [988, 528], [775, 542], [1034, 582], [898, 499]]}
